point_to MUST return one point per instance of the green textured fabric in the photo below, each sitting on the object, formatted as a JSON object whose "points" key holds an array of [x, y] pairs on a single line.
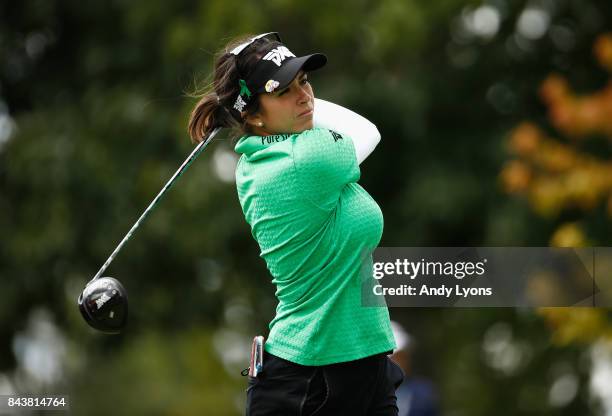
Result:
{"points": [[313, 222]]}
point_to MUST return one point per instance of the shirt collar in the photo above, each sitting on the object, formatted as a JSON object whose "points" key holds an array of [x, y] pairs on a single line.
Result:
{"points": [[251, 144]]}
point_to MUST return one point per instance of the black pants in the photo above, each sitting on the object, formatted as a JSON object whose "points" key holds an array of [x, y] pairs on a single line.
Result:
{"points": [[361, 387]]}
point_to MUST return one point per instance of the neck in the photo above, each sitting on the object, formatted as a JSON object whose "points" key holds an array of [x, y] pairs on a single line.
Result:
{"points": [[260, 131]]}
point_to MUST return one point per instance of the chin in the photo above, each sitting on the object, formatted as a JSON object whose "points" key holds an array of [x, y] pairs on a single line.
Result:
{"points": [[307, 126], [301, 127]]}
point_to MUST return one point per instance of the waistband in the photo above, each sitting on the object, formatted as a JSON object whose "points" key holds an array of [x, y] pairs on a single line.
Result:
{"points": [[375, 357]]}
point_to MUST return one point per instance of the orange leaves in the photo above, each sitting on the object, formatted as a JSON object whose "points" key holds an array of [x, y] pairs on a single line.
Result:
{"points": [[546, 196], [530, 143], [516, 176], [569, 235], [581, 325], [525, 139], [554, 89], [603, 51], [577, 115], [553, 175]]}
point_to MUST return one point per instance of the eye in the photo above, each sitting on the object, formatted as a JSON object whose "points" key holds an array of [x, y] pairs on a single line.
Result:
{"points": [[303, 81]]}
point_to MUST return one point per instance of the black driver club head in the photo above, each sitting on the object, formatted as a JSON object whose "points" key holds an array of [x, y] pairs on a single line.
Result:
{"points": [[104, 305]]}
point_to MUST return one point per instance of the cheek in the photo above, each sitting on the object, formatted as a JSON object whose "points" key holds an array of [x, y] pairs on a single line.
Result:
{"points": [[310, 91], [272, 117], [282, 113], [279, 114], [269, 111]]}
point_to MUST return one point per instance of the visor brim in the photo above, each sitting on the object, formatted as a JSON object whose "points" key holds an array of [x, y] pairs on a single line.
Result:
{"points": [[288, 71]]}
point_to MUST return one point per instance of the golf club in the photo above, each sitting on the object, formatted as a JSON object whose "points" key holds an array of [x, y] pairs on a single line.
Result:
{"points": [[104, 302]]}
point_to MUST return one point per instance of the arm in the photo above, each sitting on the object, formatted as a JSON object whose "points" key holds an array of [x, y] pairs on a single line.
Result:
{"points": [[364, 134]]}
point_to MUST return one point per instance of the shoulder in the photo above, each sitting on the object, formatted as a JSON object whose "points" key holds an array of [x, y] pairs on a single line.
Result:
{"points": [[325, 152], [320, 140], [322, 133]]}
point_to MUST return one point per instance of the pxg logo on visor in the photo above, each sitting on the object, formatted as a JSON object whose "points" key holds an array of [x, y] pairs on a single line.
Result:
{"points": [[276, 69]]}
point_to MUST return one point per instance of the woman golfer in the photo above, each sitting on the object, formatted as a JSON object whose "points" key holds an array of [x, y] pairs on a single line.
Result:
{"points": [[326, 354]]}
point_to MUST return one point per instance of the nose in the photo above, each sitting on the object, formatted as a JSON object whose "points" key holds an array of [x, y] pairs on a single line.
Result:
{"points": [[303, 95]]}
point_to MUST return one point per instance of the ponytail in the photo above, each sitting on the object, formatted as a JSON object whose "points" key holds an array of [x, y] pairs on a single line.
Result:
{"points": [[216, 101], [207, 115]]}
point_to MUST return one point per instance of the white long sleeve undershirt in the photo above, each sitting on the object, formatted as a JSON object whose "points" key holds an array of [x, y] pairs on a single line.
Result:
{"points": [[332, 116]]}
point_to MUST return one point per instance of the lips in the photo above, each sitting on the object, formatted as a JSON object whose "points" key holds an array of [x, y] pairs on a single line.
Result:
{"points": [[305, 113]]}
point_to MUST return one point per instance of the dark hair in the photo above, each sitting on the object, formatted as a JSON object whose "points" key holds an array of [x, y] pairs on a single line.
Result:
{"points": [[215, 107]]}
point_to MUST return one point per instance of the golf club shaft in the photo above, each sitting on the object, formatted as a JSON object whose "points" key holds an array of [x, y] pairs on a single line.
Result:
{"points": [[198, 149]]}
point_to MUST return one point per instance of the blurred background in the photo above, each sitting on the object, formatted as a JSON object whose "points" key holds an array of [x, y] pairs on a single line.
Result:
{"points": [[496, 120]]}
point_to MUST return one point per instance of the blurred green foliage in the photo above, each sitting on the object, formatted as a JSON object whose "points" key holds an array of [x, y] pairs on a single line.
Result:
{"points": [[93, 113]]}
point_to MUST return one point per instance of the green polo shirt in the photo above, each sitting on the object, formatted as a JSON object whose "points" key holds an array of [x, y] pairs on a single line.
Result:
{"points": [[313, 222]]}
